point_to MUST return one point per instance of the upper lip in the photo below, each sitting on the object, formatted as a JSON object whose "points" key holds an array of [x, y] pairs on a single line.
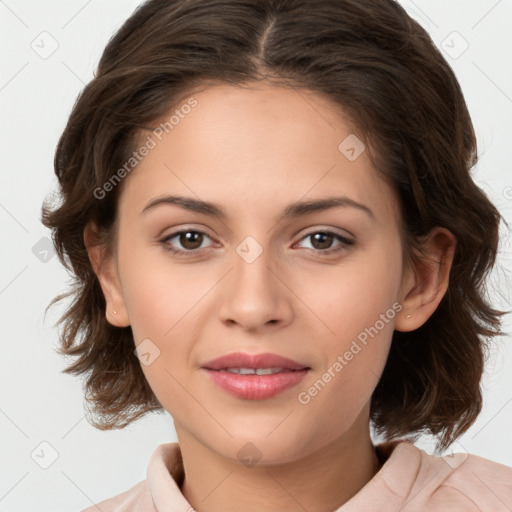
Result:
{"points": [[241, 360]]}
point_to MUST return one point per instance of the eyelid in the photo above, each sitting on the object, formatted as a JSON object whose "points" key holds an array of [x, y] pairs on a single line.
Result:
{"points": [[326, 229], [164, 239], [345, 242]]}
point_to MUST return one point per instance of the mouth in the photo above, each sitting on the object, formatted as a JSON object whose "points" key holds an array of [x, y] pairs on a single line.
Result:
{"points": [[255, 371], [267, 362], [255, 377]]}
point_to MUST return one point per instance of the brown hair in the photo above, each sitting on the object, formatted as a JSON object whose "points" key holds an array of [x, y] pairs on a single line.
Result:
{"points": [[381, 67]]}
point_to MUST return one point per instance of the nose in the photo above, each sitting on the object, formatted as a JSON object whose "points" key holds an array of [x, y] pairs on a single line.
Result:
{"points": [[256, 295]]}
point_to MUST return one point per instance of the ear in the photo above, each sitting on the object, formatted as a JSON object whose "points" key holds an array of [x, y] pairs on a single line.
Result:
{"points": [[425, 285], [105, 267]]}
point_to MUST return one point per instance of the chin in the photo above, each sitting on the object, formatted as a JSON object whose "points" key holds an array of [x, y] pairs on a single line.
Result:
{"points": [[261, 448]]}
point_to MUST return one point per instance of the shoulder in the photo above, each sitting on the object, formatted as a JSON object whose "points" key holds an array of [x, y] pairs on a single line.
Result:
{"points": [[136, 499], [160, 489], [465, 482], [411, 480]]}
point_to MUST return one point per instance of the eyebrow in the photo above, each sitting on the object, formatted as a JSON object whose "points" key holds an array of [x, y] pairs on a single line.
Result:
{"points": [[293, 210]]}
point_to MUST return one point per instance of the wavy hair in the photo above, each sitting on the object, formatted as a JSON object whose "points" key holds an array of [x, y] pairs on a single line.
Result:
{"points": [[385, 73]]}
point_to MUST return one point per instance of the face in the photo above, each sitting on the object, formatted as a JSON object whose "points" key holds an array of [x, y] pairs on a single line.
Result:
{"points": [[319, 286]]}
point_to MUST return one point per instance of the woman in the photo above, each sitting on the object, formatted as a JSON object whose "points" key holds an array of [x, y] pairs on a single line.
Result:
{"points": [[268, 209]]}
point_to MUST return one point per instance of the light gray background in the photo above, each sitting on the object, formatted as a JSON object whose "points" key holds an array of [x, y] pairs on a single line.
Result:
{"points": [[39, 404]]}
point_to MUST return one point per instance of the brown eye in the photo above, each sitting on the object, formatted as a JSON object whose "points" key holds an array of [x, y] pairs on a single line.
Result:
{"points": [[187, 240], [190, 239], [322, 241]]}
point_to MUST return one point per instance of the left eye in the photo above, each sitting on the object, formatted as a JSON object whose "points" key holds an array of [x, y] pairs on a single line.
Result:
{"points": [[322, 241]]}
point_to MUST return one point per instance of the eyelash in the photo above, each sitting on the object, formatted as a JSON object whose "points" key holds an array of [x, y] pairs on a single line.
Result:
{"points": [[345, 242]]}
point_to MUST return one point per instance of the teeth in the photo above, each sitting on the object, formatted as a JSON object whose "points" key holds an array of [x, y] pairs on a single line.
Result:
{"points": [[256, 371]]}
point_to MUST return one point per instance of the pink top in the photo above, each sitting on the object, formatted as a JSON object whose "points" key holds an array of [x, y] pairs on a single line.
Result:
{"points": [[410, 480]]}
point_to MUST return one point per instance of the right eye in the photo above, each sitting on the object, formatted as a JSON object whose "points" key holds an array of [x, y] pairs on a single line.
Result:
{"points": [[190, 239]]}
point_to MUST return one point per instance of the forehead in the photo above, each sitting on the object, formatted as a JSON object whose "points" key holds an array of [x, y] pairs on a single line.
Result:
{"points": [[256, 144]]}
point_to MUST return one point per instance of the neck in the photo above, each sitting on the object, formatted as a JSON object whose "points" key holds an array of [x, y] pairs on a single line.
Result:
{"points": [[319, 482]]}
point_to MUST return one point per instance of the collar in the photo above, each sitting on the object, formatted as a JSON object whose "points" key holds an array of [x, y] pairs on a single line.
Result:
{"points": [[386, 491]]}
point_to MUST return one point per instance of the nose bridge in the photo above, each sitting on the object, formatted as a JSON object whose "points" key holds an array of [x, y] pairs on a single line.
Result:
{"points": [[255, 295], [252, 272]]}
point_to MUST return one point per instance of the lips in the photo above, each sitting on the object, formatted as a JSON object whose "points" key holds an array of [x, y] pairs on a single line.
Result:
{"points": [[241, 360], [236, 374]]}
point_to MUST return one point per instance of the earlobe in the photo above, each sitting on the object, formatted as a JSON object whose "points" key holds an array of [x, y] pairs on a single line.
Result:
{"points": [[104, 267], [426, 284]]}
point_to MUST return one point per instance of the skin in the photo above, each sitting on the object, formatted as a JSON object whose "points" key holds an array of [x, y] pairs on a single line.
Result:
{"points": [[253, 151]]}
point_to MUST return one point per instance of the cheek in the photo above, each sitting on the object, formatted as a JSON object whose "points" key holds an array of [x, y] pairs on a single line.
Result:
{"points": [[157, 293], [353, 359], [352, 296], [162, 301], [357, 304]]}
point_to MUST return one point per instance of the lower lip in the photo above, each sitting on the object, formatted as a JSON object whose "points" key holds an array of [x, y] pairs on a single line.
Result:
{"points": [[255, 387]]}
